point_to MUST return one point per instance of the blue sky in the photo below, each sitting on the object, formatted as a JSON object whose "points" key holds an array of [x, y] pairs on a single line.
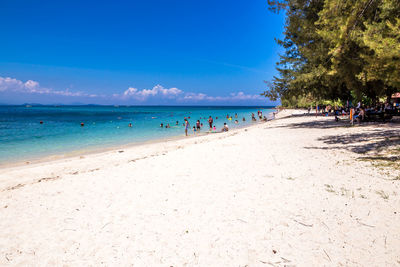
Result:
{"points": [[137, 52]]}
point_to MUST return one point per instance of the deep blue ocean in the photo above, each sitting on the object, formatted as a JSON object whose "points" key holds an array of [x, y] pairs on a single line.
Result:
{"points": [[23, 137]]}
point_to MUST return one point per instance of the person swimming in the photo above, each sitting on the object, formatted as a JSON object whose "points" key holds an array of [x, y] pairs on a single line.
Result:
{"points": [[177, 123], [244, 119], [167, 126], [236, 121], [162, 125], [130, 125]]}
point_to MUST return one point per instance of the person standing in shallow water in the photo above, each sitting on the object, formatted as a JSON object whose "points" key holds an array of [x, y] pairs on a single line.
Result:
{"points": [[210, 122], [198, 125], [187, 125]]}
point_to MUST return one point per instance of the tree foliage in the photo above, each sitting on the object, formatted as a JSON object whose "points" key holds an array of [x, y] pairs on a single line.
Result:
{"points": [[337, 49]]}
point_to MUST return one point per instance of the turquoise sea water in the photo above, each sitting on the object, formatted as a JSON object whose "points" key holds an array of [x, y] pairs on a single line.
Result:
{"points": [[22, 137]]}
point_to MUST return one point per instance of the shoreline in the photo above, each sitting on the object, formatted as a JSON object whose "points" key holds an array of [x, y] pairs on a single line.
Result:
{"points": [[98, 149], [103, 150]]}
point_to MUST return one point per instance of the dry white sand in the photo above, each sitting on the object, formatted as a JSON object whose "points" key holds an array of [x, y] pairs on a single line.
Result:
{"points": [[288, 192]]}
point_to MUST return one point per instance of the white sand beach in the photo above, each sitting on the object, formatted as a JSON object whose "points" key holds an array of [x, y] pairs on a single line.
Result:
{"points": [[296, 191]]}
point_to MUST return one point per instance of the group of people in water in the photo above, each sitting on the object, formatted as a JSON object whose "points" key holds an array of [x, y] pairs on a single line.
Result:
{"points": [[199, 125], [212, 128]]}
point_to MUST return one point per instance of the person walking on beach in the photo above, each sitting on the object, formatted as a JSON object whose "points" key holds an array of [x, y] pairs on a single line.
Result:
{"points": [[210, 122], [187, 125]]}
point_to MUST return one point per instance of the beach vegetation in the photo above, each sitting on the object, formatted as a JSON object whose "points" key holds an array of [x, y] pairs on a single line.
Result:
{"points": [[382, 194], [337, 50], [329, 188]]}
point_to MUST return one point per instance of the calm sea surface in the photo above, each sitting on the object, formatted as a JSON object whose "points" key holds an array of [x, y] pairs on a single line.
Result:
{"points": [[22, 137]]}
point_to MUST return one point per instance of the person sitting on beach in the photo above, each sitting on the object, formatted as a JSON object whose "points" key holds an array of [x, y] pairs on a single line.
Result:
{"points": [[362, 113], [225, 128]]}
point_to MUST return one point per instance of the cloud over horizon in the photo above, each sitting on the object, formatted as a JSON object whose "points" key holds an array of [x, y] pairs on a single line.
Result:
{"points": [[157, 93], [157, 90], [33, 87]]}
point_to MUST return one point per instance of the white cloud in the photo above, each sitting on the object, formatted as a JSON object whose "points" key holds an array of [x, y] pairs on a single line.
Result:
{"points": [[194, 96], [157, 90], [232, 97], [33, 87], [181, 96], [10, 83], [243, 96]]}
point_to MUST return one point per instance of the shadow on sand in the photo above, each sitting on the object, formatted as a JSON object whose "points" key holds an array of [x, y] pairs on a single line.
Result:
{"points": [[362, 143], [329, 122], [374, 141]]}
